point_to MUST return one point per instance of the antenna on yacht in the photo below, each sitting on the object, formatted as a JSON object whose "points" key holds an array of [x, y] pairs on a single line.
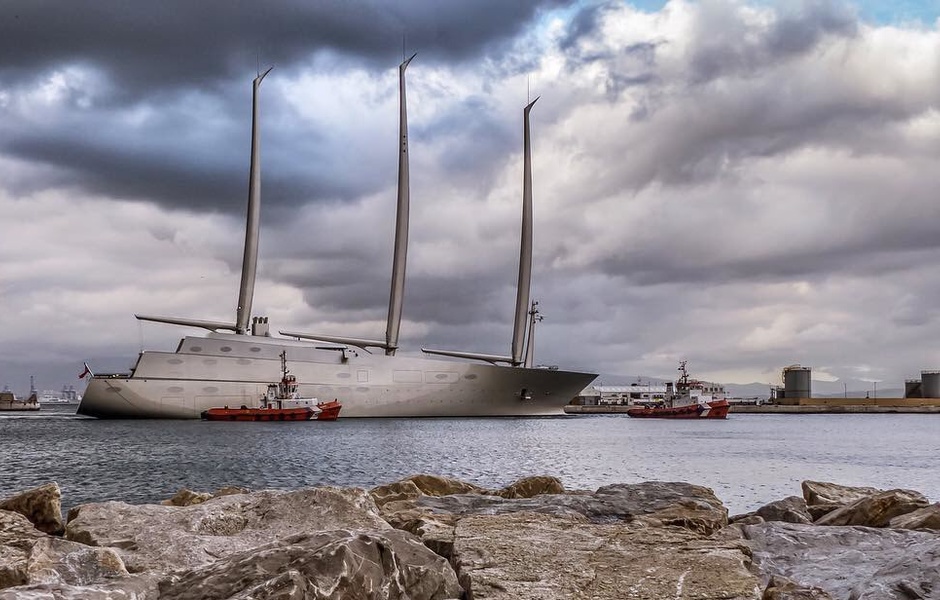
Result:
{"points": [[252, 228], [534, 317]]}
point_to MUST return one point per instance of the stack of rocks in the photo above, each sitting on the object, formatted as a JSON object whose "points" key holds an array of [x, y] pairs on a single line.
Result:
{"points": [[430, 537]]}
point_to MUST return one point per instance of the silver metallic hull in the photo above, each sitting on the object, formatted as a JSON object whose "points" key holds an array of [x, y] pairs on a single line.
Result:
{"points": [[226, 369]]}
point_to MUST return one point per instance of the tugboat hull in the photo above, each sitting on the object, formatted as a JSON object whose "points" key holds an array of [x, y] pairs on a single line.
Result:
{"points": [[717, 409], [258, 414]]}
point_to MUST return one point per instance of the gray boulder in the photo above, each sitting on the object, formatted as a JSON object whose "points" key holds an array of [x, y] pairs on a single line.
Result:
{"points": [[545, 556], [848, 562], [332, 565], [818, 511], [136, 587], [41, 505], [17, 538], [781, 588], [186, 497], [922, 518], [790, 510], [153, 537], [876, 510], [528, 487], [433, 518], [30, 557], [818, 493], [435, 485], [666, 503]]}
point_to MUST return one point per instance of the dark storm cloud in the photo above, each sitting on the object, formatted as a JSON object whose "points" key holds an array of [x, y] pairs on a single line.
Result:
{"points": [[189, 65], [178, 43], [888, 248], [582, 26]]}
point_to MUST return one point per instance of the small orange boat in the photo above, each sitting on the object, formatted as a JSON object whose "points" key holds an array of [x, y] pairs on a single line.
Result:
{"points": [[281, 403]]}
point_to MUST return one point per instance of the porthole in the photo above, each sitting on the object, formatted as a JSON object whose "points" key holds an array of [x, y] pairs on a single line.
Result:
{"points": [[470, 376], [196, 349], [226, 348], [175, 361], [174, 389], [210, 389], [254, 349]]}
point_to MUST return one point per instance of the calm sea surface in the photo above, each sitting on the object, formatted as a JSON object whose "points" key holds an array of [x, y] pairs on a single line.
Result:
{"points": [[748, 460]]}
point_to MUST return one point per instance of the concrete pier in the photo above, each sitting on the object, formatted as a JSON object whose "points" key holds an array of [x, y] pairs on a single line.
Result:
{"points": [[801, 406]]}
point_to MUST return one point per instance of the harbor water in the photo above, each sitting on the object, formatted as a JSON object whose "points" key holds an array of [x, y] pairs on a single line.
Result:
{"points": [[748, 460]]}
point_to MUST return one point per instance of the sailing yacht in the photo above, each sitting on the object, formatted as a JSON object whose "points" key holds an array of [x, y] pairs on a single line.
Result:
{"points": [[239, 360]]}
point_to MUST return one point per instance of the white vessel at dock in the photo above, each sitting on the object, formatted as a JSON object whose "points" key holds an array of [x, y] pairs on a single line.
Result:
{"points": [[366, 376]]}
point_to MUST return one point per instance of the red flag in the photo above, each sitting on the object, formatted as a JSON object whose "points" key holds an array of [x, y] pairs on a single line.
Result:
{"points": [[87, 371]]}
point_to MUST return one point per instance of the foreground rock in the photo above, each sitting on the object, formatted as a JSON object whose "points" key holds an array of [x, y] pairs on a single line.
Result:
{"points": [[28, 557], [153, 537], [876, 510], [789, 510], [537, 555], [849, 562], [435, 538], [923, 518], [333, 564], [781, 588], [41, 505], [646, 541], [823, 497]]}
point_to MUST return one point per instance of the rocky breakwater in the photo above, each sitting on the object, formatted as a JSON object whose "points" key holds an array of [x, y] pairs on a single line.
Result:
{"points": [[435, 538]]}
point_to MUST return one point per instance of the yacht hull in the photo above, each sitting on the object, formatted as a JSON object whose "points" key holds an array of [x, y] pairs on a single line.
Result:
{"points": [[206, 371]]}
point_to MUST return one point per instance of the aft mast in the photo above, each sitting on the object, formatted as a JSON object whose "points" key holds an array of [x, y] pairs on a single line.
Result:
{"points": [[396, 296], [399, 260], [525, 250], [252, 233], [517, 357], [253, 227]]}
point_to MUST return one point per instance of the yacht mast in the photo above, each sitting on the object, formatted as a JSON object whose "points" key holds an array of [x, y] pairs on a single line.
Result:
{"points": [[525, 252], [517, 357], [399, 259], [252, 229], [396, 296]]}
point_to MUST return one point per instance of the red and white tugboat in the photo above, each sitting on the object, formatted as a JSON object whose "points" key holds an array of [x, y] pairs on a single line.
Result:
{"points": [[282, 402], [689, 401]]}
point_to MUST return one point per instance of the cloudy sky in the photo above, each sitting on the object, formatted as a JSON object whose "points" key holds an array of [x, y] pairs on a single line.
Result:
{"points": [[743, 184]]}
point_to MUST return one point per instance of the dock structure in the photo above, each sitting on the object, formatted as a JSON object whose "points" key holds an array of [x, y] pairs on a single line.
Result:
{"points": [[844, 406], [801, 406]]}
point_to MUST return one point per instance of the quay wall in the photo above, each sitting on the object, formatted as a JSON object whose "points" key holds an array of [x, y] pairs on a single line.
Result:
{"points": [[801, 406]]}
